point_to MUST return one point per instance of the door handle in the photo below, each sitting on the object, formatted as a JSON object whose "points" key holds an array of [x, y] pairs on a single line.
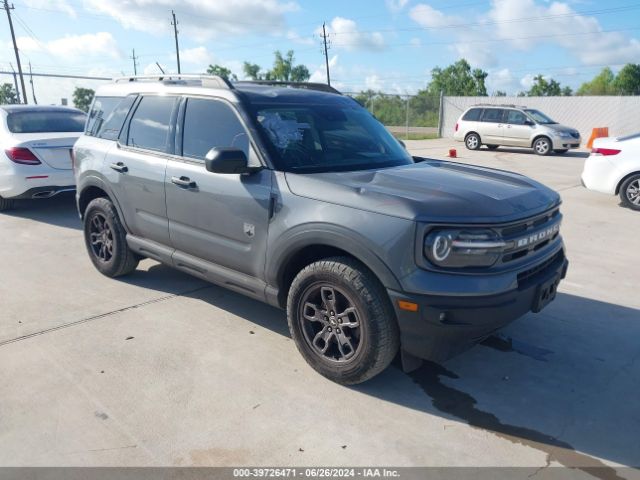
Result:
{"points": [[184, 182], [119, 167]]}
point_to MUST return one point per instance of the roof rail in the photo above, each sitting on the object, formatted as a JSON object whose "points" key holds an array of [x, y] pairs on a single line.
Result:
{"points": [[321, 87], [211, 81], [499, 105]]}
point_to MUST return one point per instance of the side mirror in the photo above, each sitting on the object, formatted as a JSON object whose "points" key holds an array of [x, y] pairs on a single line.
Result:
{"points": [[229, 161], [529, 123]]}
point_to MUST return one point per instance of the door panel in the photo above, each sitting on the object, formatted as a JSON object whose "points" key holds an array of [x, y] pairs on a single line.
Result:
{"points": [[516, 133], [492, 129]]}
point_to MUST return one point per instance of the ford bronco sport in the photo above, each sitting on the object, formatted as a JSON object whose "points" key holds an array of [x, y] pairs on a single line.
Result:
{"points": [[297, 196]]}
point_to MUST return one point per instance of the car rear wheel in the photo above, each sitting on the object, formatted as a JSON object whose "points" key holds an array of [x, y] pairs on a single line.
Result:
{"points": [[342, 321], [630, 192], [472, 141], [105, 239], [6, 204], [492, 147], [561, 151], [543, 146]]}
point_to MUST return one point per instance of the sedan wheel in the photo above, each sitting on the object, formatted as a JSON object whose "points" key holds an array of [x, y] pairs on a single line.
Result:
{"points": [[630, 192]]}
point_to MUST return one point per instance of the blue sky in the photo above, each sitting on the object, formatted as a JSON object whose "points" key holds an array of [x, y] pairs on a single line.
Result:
{"points": [[388, 45]]}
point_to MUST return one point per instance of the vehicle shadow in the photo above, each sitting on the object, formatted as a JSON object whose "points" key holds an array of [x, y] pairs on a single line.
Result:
{"points": [[569, 154], [59, 210], [556, 382]]}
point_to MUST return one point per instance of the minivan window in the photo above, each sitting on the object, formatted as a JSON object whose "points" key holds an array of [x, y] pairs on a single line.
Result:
{"points": [[46, 122], [149, 127], [514, 117], [209, 124], [110, 128], [493, 115], [540, 117], [101, 108], [472, 115]]}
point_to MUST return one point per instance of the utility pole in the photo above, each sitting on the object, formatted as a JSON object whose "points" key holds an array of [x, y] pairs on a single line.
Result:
{"points": [[15, 48], [326, 54], [33, 90], [175, 34], [161, 69], [15, 83], [135, 62]]}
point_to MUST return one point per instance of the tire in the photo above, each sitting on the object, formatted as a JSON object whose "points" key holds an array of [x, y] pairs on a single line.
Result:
{"points": [[543, 146], [472, 141], [342, 285], [6, 204], [105, 239], [492, 147], [561, 151], [630, 192]]}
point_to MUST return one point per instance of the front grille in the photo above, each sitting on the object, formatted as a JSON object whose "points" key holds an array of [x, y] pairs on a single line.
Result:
{"points": [[523, 277], [525, 230]]}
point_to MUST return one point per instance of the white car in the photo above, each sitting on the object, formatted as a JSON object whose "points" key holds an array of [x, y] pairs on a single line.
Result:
{"points": [[36, 142], [614, 168]]}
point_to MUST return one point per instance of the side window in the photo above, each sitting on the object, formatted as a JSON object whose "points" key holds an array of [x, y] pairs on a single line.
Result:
{"points": [[493, 115], [101, 108], [150, 123], [209, 124], [515, 117], [110, 129], [472, 115]]}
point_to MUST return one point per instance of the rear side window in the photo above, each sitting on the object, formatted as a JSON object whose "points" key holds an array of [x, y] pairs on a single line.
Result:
{"points": [[110, 128], [101, 109], [209, 124], [46, 122], [149, 127], [493, 115], [472, 115]]}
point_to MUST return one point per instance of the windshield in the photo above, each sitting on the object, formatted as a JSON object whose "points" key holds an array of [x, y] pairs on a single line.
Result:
{"points": [[540, 117], [325, 138], [45, 122]]}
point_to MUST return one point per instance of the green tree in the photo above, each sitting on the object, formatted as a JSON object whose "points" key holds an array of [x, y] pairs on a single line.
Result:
{"points": [[458, 80], [252, 71], [602, 84], [567, 91], [544, 88], [627, 81], [82, 98], [499, 93], [221, 71], [8, 94]]}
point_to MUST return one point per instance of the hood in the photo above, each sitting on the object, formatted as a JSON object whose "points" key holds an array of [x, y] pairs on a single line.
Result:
{"points": [[561, 128], [431, 191]]}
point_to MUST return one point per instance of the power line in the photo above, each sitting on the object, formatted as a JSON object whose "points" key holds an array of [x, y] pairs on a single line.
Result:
{"points": [[15, 48], [175, 34]]}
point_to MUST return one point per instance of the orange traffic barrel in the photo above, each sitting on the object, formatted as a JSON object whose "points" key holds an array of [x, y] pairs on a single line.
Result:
{"points": [[597, 133]]}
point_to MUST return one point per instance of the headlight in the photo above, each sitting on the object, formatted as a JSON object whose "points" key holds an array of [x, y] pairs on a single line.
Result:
{"points": [[459, 248], [564, 134]]}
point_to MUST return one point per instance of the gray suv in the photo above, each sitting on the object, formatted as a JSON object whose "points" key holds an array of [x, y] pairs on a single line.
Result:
{"points": [[512, 126], [296, 196]]}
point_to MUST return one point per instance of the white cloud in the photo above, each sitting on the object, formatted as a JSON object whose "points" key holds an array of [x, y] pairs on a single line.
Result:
{"points": [[319, 75], [199, 19], [427, 16], [198, 56], [396, 5], [503, 80], [344, 33], [296, 38], [72, 47], [60, 5]]}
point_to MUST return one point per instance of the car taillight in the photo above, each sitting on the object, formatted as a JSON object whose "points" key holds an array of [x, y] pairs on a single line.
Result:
{"points": [[23, 156], [457, 126], [605, 151]]}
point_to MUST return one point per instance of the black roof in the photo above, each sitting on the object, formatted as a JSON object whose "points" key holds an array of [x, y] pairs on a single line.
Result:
{"points": [[37, 108], [292, 94]]}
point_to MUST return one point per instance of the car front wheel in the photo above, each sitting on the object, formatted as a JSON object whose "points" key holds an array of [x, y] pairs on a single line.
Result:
{"points": [[105, 239], [342, 321], [542, 146], [472, 141], [630, 192]]}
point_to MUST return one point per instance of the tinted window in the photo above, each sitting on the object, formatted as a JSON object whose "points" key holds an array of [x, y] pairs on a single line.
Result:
{"points": [[540, 117], [110, 128], [493, 115], [209, 124], [46, 122], [514, 117], [327, 137], [149, 125], [472, 115], [101, 108]]}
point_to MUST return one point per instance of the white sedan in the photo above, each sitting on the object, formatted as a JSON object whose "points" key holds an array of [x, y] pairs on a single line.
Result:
{"points": [[614, 168], [36, 142]]}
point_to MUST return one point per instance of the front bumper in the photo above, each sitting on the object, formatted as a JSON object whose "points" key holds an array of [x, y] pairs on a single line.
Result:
{"points": [[445, 326], [566, 143]]}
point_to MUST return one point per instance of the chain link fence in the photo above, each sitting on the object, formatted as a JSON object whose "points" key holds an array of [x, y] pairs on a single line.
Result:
{"points": [[408, 117]]}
